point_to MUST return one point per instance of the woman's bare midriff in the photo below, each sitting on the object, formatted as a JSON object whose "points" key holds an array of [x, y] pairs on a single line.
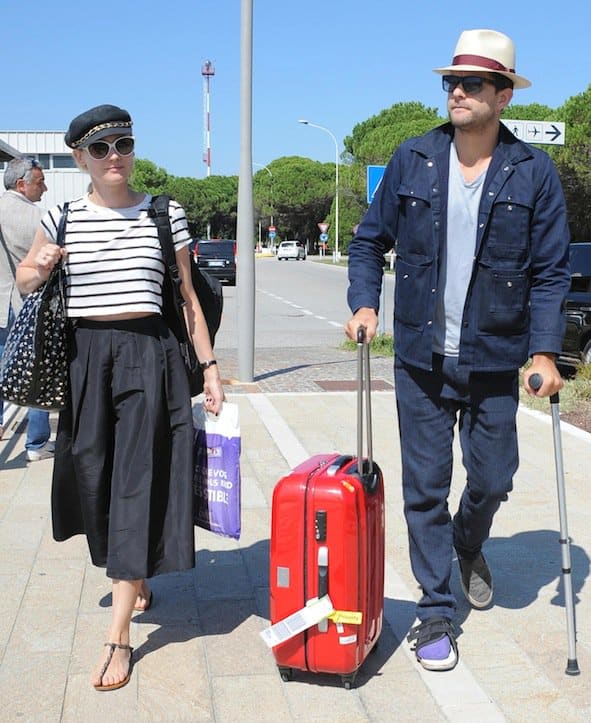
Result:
{"points": [[120, 317]]}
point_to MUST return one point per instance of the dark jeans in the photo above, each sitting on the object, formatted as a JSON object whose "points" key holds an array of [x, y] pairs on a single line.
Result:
{"points": [[429, 405]]}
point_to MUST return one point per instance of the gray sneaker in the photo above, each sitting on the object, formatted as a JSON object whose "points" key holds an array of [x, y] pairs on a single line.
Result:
{"points": [[45, 452], [476, 581]]}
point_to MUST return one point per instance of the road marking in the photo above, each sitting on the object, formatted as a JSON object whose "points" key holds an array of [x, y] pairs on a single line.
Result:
{"points": [[307, 312], [456, 692]]}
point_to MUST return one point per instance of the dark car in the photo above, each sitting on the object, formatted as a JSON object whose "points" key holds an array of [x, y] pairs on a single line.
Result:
{"points": [[577, 340], [217, 257]]}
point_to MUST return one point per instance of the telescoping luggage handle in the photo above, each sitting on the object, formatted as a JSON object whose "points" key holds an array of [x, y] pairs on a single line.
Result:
{"points": [[366, 469], [572, 667]]}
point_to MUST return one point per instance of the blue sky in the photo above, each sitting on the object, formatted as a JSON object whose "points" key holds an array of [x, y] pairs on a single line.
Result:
{"points": [[335, 63]]}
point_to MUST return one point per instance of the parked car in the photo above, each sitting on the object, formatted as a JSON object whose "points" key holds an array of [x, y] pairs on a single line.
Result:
{"points": [[577, 340], [217, 257], [291, 250]]}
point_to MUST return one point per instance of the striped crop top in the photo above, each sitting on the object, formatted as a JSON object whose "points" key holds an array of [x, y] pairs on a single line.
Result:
{"points": [[114, 263]]}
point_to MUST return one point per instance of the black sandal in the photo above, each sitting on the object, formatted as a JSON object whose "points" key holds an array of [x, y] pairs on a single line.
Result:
{"points": [[121, 683]]}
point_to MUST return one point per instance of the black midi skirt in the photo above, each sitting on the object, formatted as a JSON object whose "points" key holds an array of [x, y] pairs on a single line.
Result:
{"points": [[123, 462]]}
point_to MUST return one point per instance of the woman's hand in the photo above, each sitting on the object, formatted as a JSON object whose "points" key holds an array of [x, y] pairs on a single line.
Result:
{"points": [[37, 265], [213, 390], [46, 258]]}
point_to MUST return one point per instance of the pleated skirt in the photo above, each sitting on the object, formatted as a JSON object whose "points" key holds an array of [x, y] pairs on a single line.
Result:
{"points": [[123, 461]]}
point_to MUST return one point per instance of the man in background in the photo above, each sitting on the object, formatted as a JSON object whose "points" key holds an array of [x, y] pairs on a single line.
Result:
{"points": [[19, 218]]}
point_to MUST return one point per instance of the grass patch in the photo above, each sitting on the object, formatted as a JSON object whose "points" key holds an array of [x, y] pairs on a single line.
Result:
{"points": [[380, 345]]}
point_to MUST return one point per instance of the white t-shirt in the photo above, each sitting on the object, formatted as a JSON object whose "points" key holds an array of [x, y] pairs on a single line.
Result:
{"points": [[114, 263], [457, 257]]}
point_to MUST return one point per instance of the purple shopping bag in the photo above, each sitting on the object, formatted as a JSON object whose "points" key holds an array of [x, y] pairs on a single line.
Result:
{"points": [[216, 474]]}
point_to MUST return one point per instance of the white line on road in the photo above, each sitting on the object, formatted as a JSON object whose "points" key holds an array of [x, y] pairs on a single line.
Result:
{"points": [[306, 312]]}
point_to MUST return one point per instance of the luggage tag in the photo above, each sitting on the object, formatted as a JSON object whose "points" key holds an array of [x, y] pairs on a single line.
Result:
{"points": [[346, 616], [315, 611]]}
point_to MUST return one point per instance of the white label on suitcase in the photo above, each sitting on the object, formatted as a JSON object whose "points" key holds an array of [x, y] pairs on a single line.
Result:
{"points": [[315, 611], [347, 639]]}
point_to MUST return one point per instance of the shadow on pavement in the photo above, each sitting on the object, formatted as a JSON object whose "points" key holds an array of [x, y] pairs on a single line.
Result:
{"points": [[522, 565], [226, 588]]}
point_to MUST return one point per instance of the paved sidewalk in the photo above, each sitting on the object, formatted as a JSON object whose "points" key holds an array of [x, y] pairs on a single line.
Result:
{"points": [[199, 656]]}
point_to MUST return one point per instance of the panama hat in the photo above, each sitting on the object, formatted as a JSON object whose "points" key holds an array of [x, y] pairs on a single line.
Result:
{"points": [[485, 50]]}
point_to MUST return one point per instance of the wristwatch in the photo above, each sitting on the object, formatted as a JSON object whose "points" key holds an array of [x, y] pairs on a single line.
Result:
{"points": [[206, 364]]}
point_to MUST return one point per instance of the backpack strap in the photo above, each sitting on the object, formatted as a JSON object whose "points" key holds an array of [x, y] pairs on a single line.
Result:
{"points": [[158, 211]]}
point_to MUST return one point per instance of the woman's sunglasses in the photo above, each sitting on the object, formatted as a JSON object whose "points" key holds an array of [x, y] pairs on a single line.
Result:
{"points": [[101, 149]]}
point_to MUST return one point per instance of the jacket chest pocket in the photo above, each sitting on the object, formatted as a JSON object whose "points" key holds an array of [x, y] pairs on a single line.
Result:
{"points": [[509, 230], [415, 235], [503, 300]]}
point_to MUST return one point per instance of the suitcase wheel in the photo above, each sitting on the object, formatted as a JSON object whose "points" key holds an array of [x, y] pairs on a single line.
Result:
{"points": [[285, 673], [348, 680]]}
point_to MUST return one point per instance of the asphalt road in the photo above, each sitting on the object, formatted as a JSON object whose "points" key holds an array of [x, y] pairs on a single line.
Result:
{"points": [[298, 304]]}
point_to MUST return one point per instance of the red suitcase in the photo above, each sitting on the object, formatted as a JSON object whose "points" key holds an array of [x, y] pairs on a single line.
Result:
{"points": [[327, 536]]}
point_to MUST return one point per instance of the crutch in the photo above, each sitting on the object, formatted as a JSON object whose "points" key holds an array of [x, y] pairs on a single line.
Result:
{"points": [[572, 667]]}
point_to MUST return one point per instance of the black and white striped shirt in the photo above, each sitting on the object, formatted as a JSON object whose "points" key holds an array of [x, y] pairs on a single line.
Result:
{"points": [[114, 263]]}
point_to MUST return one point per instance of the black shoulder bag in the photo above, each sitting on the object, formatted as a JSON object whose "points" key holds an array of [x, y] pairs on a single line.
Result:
{"points": [[34, 371], [208, 290]]}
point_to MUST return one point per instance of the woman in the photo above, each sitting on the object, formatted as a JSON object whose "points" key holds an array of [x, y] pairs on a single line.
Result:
{"points": [[123, 464]]}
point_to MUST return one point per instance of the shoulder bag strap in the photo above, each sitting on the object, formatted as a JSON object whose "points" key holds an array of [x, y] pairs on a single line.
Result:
{"points": [[61, 229], [61, 241]]}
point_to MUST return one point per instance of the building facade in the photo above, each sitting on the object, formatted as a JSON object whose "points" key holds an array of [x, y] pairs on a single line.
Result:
{"points": [[63, 178]]}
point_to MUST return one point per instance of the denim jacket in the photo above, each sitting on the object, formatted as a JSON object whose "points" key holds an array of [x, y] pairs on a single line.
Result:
{"points": [[520, 274]]}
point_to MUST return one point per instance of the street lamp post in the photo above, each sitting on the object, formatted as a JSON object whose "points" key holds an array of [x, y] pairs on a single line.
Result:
{"points": [[260, 165], [336, 197]]}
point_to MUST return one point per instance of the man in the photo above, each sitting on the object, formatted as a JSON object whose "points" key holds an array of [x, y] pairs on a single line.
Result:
{"points": [[19, 218], [479, 223]]}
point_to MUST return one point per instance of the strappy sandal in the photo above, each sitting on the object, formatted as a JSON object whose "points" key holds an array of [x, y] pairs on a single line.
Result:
{"points": [[121, 683]]}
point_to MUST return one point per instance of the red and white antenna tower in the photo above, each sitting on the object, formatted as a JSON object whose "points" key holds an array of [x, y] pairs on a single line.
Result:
{"points": [[207, 71]]}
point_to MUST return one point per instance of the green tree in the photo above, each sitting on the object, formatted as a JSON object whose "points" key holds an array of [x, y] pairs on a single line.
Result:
{"points": [[303, 191], [374, 141], [148, 177], [573, 161]]}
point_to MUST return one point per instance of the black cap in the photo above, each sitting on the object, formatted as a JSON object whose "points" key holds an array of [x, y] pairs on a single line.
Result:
{"points": [[96, 123]]}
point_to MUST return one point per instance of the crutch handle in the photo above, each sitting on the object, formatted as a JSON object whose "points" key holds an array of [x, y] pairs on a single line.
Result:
{"points": [[536, 380]]}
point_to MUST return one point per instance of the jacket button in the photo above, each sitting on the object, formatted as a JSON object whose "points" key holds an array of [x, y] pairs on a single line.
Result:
{"points": [[429, 323], [509, 284]]}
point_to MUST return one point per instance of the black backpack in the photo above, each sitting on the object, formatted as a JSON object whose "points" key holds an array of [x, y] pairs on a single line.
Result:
{"points": [[208, 290]]}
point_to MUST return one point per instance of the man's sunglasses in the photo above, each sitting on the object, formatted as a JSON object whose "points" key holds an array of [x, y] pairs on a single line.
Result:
{"points": [[101, 149], [472, 84]]}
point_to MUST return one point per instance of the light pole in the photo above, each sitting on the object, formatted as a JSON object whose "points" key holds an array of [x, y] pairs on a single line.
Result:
{"points": [[336, 196], [260, 165]]}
